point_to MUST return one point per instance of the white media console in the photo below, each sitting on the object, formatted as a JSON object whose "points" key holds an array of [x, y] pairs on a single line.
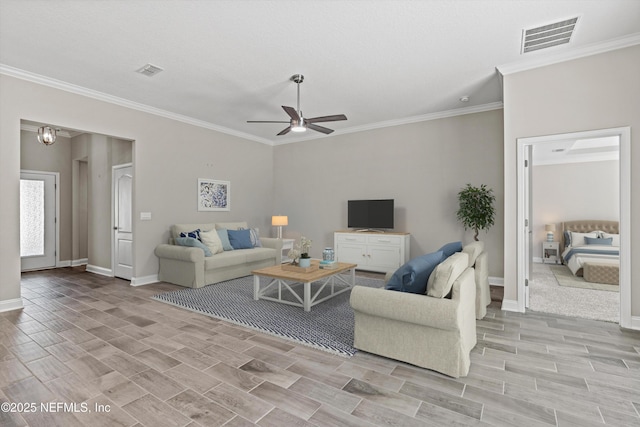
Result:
{"points": [[372, 251]]}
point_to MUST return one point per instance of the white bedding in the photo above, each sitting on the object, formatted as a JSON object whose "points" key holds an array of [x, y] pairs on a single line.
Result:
{"points": [[577, 261]]}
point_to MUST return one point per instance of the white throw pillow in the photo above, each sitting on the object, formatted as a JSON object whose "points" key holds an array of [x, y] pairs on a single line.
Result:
{"points": [[212, 240], [615, 238], [577, 239], [442, 278]]}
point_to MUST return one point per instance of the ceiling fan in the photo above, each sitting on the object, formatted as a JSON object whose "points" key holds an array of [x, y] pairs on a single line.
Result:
{"points": [[298, 123]]}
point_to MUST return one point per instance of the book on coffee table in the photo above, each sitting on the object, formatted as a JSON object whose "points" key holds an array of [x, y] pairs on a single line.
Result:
{"points": [[328, 265]]}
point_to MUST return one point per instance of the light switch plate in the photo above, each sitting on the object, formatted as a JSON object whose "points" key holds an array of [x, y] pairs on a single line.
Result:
{"points": [[145, 216]]}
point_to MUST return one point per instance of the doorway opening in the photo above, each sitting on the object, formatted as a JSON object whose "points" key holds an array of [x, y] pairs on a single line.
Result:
{"points": [[39, 210], [527, 231], [83, 162]]}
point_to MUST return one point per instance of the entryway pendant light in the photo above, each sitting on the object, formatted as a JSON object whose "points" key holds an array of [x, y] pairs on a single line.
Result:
{"points": [[46, 135]]}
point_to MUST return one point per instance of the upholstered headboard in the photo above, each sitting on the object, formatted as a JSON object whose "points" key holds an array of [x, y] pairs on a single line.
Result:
{"points": [[587, 225]]}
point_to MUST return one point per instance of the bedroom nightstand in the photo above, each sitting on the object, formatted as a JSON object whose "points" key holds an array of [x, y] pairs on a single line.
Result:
{"points": [[550, 253]]}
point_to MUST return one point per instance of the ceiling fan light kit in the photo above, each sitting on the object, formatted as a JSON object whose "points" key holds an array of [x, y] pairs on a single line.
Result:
{"points": [[297, 122]]}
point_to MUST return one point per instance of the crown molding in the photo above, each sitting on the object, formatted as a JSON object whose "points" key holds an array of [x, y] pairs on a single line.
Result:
{"points": [[79, 90], [100, 96], [68, 87], [404, 121], [593, 49]]}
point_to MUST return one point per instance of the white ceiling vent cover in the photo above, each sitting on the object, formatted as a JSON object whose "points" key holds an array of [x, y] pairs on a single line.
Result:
{"points": [[149, 70], [548, 35]]}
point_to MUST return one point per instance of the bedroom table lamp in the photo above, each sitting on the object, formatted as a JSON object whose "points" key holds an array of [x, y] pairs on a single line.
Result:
{"points": [[279, 221], [550, 229]]}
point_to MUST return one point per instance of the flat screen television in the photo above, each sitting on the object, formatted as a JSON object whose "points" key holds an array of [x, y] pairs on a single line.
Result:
{"points": [[370, 214]]}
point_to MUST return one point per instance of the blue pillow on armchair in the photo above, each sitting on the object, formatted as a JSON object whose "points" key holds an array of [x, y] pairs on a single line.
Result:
{"points": [[450, 249], [413, 276]]}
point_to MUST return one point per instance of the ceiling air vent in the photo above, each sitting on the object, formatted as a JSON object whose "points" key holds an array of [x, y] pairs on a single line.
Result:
{"points": [[149, 70], [548, 35]]}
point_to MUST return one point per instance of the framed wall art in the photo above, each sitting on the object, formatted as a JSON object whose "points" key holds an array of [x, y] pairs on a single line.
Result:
{"points": [[214, 195]]}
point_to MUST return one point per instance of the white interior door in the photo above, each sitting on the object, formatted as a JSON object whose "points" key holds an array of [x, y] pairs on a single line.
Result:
{"points": [[37, 220], [123, 224]]}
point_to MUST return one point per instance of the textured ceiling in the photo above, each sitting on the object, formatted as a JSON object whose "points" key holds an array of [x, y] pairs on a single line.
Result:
{"points": [[226, 62]]}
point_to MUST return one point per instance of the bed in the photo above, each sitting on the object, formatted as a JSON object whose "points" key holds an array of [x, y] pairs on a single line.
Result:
{"points": [[592, 245]]}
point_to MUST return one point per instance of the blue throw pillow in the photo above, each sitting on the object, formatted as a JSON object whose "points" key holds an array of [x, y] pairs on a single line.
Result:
{"points": [[413, 276], [240, 239], [450, 249], [195, 243], [224, 238], [598, 241], [567, 238], [254, 233], [194, 234]]}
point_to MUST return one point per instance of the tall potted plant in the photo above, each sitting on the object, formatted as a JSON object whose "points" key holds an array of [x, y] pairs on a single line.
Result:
{"points": [[476, 211]]}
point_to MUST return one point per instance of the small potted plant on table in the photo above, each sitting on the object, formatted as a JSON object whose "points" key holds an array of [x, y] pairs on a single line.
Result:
{"points": [[305, 259], [301, 261]]}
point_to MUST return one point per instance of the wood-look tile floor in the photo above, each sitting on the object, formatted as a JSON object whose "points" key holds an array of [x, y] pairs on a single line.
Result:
{"points": [[117, 358]]}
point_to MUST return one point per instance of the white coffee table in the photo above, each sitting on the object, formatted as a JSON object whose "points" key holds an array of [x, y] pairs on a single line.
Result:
{"points": [[286, 280]]}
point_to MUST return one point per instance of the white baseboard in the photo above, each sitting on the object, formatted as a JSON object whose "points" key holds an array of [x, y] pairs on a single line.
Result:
{"points": [[144, 280], [635, 323], [11, 304], [496, 281], [510, 305], [99, 270], [78, 262], [62, 264], [537, 260]]}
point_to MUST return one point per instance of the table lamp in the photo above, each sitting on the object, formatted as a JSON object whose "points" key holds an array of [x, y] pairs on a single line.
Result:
{"points": [[279, 221], [550, 229]]}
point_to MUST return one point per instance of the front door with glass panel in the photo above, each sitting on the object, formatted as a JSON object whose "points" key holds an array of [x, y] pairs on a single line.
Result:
{"points": [[37, 220]]}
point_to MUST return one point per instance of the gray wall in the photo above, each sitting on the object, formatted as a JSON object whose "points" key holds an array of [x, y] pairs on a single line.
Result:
{"points": [[421, 165], [595, 92], [169, 156], [573, 191]]}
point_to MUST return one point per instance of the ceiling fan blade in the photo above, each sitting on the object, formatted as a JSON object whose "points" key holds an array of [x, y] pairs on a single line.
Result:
{"points": [[333, 118], [267, 121], [292, 113], [285, 131], [319, 128]]}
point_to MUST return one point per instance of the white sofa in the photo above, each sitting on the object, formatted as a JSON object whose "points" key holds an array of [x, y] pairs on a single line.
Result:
{"points": [[188, 266], [433, 333], [479, 260]]}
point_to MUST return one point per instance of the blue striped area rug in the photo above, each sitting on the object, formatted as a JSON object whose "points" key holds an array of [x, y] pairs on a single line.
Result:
{"points": [[328, 326]]}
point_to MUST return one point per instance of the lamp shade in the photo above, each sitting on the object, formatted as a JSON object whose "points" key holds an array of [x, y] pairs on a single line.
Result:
{"points": [[279, 220]]}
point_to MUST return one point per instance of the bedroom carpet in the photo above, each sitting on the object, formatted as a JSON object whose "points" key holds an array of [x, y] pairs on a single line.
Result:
{"points": [[328, 326], [566, 278], [547, 296]]}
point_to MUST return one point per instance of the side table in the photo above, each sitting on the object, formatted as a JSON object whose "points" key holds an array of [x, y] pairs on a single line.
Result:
{"points": [[287, 245]]}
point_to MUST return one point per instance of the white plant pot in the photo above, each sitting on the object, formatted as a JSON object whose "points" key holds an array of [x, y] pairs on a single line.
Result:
{"points": [[304, 262]]}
